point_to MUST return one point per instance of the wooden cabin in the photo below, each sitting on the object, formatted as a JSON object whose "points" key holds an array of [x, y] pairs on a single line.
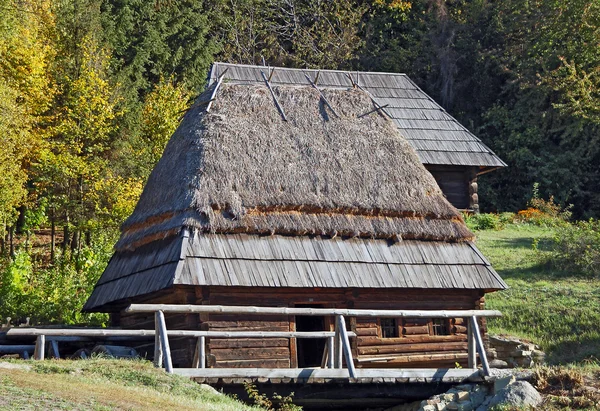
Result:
{"points": [[296, 196], [449, 151]]}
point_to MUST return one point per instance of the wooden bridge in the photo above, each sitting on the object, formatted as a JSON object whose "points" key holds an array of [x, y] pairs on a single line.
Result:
{"points": [[337, 364]]}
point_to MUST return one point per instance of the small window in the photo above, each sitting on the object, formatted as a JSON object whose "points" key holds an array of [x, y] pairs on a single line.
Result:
{"points": [[389, 328], [439, 326]]}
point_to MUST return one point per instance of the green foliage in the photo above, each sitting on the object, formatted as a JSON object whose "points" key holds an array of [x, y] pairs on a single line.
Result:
{"points": [[577, 248], [53, 294], [262, 401], [484, 221]]}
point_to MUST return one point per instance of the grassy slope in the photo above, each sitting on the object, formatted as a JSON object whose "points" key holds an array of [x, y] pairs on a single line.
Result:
{"points": [[103, 384], [557, 310]]}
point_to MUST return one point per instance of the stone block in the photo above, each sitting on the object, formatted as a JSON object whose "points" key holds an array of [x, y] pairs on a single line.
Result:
{"points": [[452, 406], [429, 408], [448, 397]]}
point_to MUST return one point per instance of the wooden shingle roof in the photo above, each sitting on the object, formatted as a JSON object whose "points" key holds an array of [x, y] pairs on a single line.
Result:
{"points": [[434, 134], [201, 259]]}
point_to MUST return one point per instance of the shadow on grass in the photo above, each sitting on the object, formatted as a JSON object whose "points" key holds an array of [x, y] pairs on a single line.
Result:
{"points": [[576, 350]]}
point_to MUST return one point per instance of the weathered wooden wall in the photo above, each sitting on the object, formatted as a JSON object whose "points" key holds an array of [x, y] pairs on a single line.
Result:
{"points": [[414, 347], [459, 185]]}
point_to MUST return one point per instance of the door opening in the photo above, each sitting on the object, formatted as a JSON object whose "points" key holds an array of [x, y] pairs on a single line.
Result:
{"points": [[310, 350]]}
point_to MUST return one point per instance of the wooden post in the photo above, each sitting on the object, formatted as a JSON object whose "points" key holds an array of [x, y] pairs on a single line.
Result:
{"points": [[337, 345], [471, 348], [158, 352], [200, 354], [40, 347], [480, 347], [346, 347], [55, 352], [164, 341], [330, 354]]}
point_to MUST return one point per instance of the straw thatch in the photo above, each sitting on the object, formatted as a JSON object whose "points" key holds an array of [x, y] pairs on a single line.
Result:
{"points": [[242, 168]]}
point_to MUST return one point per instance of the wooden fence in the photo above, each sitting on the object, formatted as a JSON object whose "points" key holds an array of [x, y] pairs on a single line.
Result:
{"points": [[338, 346]]}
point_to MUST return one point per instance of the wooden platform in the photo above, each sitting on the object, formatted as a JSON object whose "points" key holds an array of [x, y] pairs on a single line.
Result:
{"points": [[326, 375]]}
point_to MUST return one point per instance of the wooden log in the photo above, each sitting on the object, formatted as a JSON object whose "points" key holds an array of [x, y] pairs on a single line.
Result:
{"points": [[164, 341], [366, 331], [249, 343], [200, 353], [330, 353], [337, 347], [422, 330], [459, 329], [40, 347], [256, 363], [321, 93], [251, 353], [267, 81], [16, 349], [346, 346], [365, 341], [480, 347], [55, 352], [471, 349], [414, 358], [438, 375], [407, 348], [158, 349], [175, 333], [216, 309]]}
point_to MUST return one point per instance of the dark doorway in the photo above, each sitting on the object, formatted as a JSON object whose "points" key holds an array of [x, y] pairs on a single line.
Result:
{"points": [[310, 350]]}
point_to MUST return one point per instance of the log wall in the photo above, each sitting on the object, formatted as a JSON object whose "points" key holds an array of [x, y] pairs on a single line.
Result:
{"points": [[415, 346], [459, 185]]}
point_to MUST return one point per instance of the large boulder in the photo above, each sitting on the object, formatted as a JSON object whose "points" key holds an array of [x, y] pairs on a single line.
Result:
{"points": [[517, 394]]}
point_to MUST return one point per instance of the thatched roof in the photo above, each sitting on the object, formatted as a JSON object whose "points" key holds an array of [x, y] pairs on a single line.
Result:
{"points": [[437, 137], [242, 168]]}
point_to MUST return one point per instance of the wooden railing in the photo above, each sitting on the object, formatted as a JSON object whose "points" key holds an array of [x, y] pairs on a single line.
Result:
{"points": [[338, 346]]}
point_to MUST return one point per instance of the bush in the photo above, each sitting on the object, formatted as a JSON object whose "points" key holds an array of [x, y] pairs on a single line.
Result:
{"points": [[543, 213], [484, 222], [576, 248]]}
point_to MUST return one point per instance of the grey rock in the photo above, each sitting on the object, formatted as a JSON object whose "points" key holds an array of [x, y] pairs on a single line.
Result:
{"points": [[518, 394], [498, 364]]}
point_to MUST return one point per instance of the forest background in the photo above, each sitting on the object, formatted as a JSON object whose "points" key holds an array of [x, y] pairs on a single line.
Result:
{"points": [[91, 91]]}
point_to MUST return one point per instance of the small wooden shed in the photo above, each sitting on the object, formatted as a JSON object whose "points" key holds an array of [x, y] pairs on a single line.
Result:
{"points": [[448, 150], [295, 196]]}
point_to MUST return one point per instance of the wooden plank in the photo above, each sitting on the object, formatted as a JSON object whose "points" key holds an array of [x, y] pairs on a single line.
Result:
{"points": [[435, 374], [216, 309], [158, 350], [256, 363]]}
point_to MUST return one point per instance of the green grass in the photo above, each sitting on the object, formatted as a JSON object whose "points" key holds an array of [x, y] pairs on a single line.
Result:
{"points": [[558, 310], [102, 384]]}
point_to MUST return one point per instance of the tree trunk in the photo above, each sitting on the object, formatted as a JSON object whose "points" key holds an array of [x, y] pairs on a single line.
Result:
{"points": [[21, 220], [11, 234], [52, 237], [66, 235]]}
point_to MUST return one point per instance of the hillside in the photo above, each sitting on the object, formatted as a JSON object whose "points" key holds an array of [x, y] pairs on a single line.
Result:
{"points": [[103, 384], [558, 310]]}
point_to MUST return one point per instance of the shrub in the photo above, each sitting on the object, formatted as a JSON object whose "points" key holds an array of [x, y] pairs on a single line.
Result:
{"points": [[576, 248], [484, 222], [544, 213]]}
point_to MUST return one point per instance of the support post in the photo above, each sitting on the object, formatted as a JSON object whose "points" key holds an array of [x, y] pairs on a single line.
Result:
{"points": [[330, 354], [346, 347], [158, 352], [471, 348], [40, 347], [200, 354], [337, 345], [55, 352], [164, 341], [480, 347]]}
